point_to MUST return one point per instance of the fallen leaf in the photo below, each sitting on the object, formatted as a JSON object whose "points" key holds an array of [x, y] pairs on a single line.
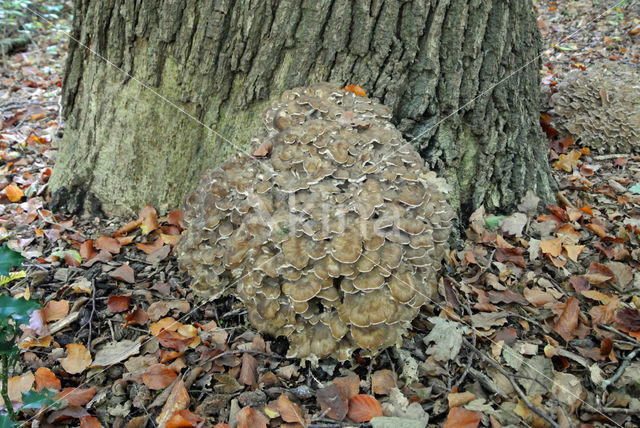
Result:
{"points": [[137, 316], [128, 227], [598, 273], [459, 417], [332, 401], [45, 378], [250, 418], [158, 376], [552, 247], [248, 370], [176, 218], [13, 192], [513, 255], [115, 352], [383, 381], [568, 321], [355, 89], [119, 303], [566, 162], [629, 319], [107, 243], [184, 419], [460, 398], [573, 251], [123, 273], [19, 384], [77, 396], [149, 218], [289, 411], [150, 247], [363, 408], [178, 400], [55, 310], [264, 149], [87, 252], [90, 422], [77, 360], [349, 385]]}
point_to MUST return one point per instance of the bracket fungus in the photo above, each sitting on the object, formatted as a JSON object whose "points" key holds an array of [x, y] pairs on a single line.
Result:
{"points": [[333, 239], [601, 106]]}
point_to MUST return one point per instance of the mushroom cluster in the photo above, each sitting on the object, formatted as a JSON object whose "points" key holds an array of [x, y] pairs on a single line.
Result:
{"points": [[334, 238], [601, 106]]}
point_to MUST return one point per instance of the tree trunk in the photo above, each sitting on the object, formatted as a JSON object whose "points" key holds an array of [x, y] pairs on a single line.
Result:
{"points": [[460, 75]]}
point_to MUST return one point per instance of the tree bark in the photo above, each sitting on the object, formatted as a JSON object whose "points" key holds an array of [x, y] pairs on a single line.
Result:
{"points": [[460, 75]]}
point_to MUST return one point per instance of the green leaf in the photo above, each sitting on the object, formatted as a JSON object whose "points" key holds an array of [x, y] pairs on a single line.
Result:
{"points": [[8, 259], [73, 253], [6, 422], [37, 400], [493, 221], [635, 189], [18, 309]]}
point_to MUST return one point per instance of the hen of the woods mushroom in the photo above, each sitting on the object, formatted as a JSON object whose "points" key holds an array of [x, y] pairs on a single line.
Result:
{"points": [[334, 238], [601, 106]]}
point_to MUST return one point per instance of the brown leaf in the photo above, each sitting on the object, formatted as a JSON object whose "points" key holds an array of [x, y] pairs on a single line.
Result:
{"points": [[263, 149], [77, 360], [184, 419], [158, 376], [13, 192], [573, 251], [363, 408], [579, 283], [55, 310], [76, 396], [119, 303], [513, 255], [149, 218], [349, 385], [289, 411], [123, 273], [87, 252], [629, 319], [568, 161], [150, 247], [108, 243], [249, 418], [598, 273], [128, 227], [178, 400], [90, 422], [330, 397], [383, 381], [249, 370], [460, 398], [176, 218], [568, 321], [125, 240], [552, 247], [45, 378], [459, 417], [355, 89], [19, 384], [137, 316]]}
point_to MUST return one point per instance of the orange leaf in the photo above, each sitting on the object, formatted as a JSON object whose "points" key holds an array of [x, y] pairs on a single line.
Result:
{"points": [[107, 243], [459, 417], [598, 229], [125, 240], [149, 218], [568, 161], [176, 218], [568, 321], [363, 408], [552, 247], [14, 193], [348, 385], [128, 227], [56, 310], [19, 384], [149, 248], [87, 252], [598, 273], [355, 89], [77, 360], [263, 149], [90, 422], [178, 400], [76, 396], [573, 251], [119, 303], [289, 411], [158, 376], [183, 419], [382, 381], [137, 316], [460, 398], [332, 401], [123, 273], [249, 418], [45, 378]]}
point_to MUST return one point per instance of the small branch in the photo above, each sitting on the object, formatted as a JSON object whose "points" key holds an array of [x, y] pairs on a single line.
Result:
{"points": [[627, 360], [612, 156], [242, 351], [619, 333], [514, 384]]}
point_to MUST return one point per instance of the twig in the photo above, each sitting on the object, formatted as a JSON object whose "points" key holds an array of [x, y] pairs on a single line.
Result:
{"points": [[612, 156], [627, 360], [620, 333], [242, 351], [470, 359], [514, 384]]}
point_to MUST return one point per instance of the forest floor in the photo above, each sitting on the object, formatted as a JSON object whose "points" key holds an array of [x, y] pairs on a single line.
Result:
{"points": [[550, 302]]}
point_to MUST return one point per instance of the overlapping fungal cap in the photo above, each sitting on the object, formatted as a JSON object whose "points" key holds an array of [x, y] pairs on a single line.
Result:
{"points": [[601, 106], [334, 239]]}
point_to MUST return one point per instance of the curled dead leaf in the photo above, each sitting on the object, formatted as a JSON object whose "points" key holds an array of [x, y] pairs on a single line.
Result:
{"points": [[363, 408]]}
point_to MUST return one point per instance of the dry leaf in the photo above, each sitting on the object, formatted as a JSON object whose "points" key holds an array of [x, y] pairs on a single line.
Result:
{"points": [[107, 243], [552, 247], [355, 89], [249, 370], [87, 252], [289, 411], [573, 251], [76, 396], [568, 161], [263, 149], [176, 218], [178, 400], [45, 378], [137, 316], [459, 417], [119, 303], [460, 398], [149, 218], [249, 418], [383, 381], [349, 385], [13, 192], [330, 397], [90, 422], [19, 384], [158, 376], [123, 273], [77, 360], [115, 352], [363, 408], [55, 310], [184, 419], [568, 321]]}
